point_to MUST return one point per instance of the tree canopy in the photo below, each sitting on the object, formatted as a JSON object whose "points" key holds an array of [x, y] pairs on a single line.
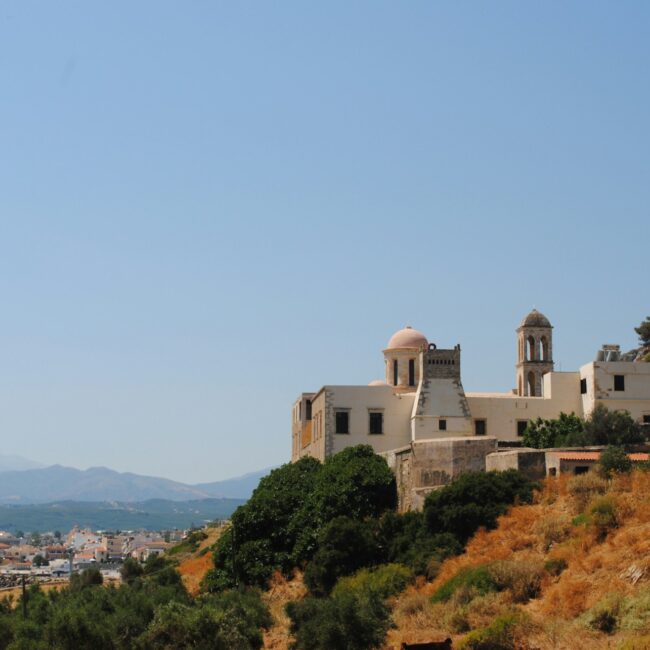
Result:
{"points": [[602, 427], [643, 330], [278, 528]]}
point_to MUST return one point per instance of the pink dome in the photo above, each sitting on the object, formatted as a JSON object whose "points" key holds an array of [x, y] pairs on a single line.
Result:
{"points": [[407, 338], [377, 382]]}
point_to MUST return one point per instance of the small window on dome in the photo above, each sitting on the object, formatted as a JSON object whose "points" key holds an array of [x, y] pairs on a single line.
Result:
{"points": [[411, 372], [395, 373]]}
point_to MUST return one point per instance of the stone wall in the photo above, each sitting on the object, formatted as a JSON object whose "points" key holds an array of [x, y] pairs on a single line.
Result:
{"points": [[426, 465], [530, 462]]}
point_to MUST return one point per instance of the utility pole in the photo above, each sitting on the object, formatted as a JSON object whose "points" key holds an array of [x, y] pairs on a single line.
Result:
{"points": [[234, 555], [24, 599]]}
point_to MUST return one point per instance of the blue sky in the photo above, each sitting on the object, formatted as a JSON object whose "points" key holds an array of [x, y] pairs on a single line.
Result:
{"points": [[206, 208]]}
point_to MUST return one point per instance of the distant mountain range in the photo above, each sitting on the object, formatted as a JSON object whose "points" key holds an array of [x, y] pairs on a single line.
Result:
{"points": [[99, 484], [9, 462]]}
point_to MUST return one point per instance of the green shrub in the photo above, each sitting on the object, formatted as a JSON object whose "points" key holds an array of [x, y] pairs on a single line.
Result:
{"points": [[604, 616], [580, 520], [522, 579], [614, 460], [634, 611], [555, 566], [500, 635], [131, 569], [584, 486], [344, 546], [474, 500], [87, 578], [603, 515], [552, 529], [606, 427], [408, 541], [189, 544], [346, 621], [567, 430], [478, 578], [233, 620], [386, 580]]}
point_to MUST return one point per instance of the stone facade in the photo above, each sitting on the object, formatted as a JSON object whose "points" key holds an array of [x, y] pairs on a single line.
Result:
{"points": [[426, 465], [531, 462]]}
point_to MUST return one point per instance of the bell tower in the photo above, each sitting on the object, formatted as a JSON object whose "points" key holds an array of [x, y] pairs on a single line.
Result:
{"points": [[534, 353]]}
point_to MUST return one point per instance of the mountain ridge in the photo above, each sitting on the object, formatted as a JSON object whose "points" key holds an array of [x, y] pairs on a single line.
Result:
{"points": [[102, 484]]}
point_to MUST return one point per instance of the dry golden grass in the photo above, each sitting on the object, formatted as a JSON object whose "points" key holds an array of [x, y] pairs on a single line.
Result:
{"points": [[279, 593], [13, 593], [194, 566], [615, 562]]}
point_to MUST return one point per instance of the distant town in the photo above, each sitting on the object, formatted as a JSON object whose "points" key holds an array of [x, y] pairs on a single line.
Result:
{"points": [[53, 556]]}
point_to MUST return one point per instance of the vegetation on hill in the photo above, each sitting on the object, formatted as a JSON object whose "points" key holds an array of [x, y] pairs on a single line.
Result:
{"points": [[336, 521], [573, 565], [149, 610], [602, 427]]}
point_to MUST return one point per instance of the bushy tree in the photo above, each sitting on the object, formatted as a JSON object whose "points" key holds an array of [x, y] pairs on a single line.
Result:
{"points": [[614, 460], [87, 578], [474, 500], [278, 527], [263, 533], [347, 621], [344, 546], [565, 431], [355, 483], [131, 569], [643, 330], [406, 539], [607, 427], [233, 621]]}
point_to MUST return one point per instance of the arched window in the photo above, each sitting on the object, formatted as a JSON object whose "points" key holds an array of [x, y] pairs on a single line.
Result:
{"points": [[531, 384], [411, 372], [395, 372], [530, 349], [543, 348]]}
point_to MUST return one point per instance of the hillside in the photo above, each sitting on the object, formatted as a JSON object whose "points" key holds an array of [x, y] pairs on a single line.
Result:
{"points": [[570, 571]]}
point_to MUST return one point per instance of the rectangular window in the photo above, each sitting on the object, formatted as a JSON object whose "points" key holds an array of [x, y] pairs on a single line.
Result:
{"points": [[583, 386], [442, 425], [411, 372], [521, 427], [376, 422], [395, 373], [342, 421], [646, 419], [480, 427], [308, 409], [619, 382]]}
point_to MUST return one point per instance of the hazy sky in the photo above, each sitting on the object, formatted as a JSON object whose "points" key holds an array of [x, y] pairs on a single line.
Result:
{"points": [[208, 207]]}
